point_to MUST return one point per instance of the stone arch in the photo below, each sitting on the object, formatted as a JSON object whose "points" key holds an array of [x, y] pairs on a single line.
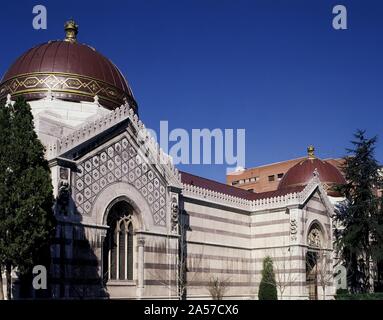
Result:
{"points": [[126, 192], [318, 225], [136, 212], [119, 244], [317, 257]]}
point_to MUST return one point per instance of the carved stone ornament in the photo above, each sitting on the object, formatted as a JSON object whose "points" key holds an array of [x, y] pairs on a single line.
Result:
{"points": [[314, 238], [119, 162], [293, 228], [174, 213], [63, 196]]}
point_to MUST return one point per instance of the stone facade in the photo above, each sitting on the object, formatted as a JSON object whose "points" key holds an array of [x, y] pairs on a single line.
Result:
{"points": [[183, 235]]}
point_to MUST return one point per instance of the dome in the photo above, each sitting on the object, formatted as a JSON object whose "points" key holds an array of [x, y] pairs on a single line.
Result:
{"points": [[301, 173], [69, 71]]}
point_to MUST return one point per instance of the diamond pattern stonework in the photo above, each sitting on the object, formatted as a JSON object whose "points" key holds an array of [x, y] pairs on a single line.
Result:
{"points": [[118, 162]]}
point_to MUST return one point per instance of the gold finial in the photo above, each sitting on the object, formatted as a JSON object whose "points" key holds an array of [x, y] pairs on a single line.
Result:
{"points": [[71, 30], [310, 152]]}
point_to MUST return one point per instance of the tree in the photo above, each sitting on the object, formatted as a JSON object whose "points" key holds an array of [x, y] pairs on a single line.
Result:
{"points": [[324, 270], [285, 274], [320, 263], [26, 216], [359, 222], [184, 276], [217, 287], [267, 287], [4, 161]]}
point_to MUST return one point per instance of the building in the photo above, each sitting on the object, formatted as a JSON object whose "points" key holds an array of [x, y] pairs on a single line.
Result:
{"points": [[130, 225], [267, 177]]}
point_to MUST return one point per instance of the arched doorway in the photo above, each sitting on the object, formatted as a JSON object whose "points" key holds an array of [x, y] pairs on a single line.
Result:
{"points": [[313, 256], [118, 247]]}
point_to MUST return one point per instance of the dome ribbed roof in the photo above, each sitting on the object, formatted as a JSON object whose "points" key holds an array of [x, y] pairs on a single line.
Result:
{"points": [[70, 70], [301, 173]]}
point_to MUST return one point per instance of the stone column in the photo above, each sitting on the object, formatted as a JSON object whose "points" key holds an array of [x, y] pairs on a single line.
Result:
{"points": [[100, 258], [297, 243], [141, 244]]}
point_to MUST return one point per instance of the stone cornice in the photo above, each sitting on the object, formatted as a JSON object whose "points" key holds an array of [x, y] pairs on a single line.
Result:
{"points": [[287, 200], [145, 141], [88, 131], [216, 197]]}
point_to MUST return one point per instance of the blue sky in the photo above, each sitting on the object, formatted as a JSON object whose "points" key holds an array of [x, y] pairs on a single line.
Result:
{"points": [[276, 68]]}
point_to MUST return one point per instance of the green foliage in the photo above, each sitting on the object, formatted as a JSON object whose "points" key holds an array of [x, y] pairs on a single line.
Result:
{"points": [[360, 235], [341, 291], [268, 286], [26, 199], [360, 296]]}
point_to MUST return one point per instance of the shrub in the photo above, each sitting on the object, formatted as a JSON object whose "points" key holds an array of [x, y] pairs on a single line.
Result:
{"points": [[360, 296], [341, 291], [267, 287]]}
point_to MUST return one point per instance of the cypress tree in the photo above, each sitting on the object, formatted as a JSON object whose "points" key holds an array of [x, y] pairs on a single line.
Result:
{"points": [[26, 216], [359, 219], [268, 286], [4, 173]]}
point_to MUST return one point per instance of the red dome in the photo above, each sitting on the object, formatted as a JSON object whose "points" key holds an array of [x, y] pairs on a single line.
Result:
{"points": [[302, 173], [71, 70]]}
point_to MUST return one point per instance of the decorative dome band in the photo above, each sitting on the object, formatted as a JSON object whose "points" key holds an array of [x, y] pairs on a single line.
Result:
{"points": [[65, 86]]}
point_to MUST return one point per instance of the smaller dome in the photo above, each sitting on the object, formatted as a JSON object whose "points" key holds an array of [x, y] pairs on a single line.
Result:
{"points": [[302, 173]]}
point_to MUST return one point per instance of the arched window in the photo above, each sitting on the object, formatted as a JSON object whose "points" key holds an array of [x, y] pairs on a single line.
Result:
{"points": [[118, 244], [315, 237]]}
